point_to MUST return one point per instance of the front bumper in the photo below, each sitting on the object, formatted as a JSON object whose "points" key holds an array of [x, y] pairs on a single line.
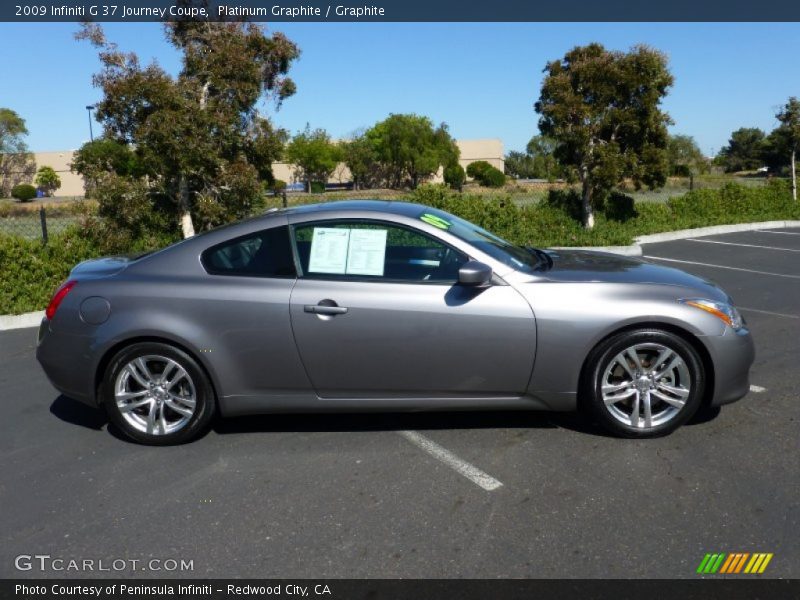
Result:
{"points": [[732, 355], [66, 360]]}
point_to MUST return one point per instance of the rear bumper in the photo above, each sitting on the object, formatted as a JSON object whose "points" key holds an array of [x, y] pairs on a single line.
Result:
{"points": [[732, 354], [67, 362]]}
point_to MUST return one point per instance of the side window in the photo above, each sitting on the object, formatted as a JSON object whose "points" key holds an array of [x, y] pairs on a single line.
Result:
{"points": [[374, 250], [266, 253]]}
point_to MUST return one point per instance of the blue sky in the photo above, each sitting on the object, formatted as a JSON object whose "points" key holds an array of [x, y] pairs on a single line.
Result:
{"points": [[480, 78]]}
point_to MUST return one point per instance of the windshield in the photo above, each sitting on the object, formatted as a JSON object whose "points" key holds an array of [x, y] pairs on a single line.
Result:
{"points": [[501, 250]]}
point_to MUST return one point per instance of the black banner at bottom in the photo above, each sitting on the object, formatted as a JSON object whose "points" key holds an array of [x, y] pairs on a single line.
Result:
{"points": [[397, 589]]}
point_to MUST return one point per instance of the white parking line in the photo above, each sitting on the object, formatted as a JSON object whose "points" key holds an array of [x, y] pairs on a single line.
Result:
{"points": [[744, 245], [757, 389], [768, 312], [471, 472], [691, 262], [778, 232]]}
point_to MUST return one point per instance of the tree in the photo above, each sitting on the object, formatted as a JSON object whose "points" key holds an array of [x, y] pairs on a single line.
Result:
{"points": [[744, 150], [454, 176], [199, 138], [47, 180], [410, 150], [542, 150], [685, 158], [16, 163], [314, 155], [361, 158], [520, 165], [789, 117], [602, 108]]}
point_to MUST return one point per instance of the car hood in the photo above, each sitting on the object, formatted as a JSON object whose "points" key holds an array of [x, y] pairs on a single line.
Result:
{"points": [[603, 267]]}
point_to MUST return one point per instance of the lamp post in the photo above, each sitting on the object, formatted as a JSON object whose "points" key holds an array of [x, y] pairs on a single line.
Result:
{"points": [[89, 109]]}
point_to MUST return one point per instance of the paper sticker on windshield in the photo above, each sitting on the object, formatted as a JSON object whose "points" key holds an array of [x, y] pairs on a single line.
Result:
{"points": [[367, 252], [435, 221], [329, 250]]}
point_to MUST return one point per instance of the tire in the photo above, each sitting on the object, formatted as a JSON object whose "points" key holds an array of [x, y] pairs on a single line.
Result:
{"points": [[669, 373], [157, 394]]}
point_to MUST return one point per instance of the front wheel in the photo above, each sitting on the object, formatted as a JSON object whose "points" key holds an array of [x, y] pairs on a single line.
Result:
{"points": [[644, 383], [157, 394]]}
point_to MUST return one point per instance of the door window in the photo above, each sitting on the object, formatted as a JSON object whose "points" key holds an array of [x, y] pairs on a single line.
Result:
{"points": [[375, 251]]}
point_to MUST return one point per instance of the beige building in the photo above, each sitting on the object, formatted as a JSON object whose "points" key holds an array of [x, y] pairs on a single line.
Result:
{"points": [[71, 183], [490, 150]]}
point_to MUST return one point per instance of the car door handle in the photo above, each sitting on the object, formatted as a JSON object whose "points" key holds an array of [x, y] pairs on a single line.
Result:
{"points": [[324, 310]]}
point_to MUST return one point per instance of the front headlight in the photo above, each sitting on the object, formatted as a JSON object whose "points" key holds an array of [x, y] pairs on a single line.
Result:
{"points": [[723, 311]]}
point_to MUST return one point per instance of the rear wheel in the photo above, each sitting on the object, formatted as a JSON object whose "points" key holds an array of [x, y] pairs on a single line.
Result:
{"points": [[644, 383], [157, 394]]}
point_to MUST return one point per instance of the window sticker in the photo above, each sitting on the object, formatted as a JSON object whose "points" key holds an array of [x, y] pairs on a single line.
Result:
{"points": [[329, 250], [367, 252], [435, 221]]}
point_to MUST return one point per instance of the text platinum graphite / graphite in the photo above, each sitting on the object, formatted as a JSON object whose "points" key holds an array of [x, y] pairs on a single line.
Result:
{"points": [[224, 10]]}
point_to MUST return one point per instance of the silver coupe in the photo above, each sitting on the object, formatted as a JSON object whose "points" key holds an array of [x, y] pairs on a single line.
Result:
{"points": [[372, 305]]}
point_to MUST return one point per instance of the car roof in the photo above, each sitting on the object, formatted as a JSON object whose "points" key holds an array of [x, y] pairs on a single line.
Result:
{"points": [[394, 207]]}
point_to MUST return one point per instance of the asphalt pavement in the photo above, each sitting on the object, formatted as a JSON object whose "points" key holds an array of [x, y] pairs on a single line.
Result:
{"points": [[451, 495]]}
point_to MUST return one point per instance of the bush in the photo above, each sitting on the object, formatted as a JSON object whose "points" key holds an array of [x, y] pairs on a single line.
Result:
{"points": [[493, 178], [485, 174], [32, 271], [476, 169], [276, 187], [555, 221], [317, 187], [619, 207], [23, 192], [454, 176]]}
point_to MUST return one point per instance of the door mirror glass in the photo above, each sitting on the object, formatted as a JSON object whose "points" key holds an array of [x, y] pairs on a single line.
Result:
{"points": [[475, 273]]}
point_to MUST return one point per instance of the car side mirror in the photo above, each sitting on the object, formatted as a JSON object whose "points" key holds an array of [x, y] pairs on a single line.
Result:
{"points": [[474, 273]]}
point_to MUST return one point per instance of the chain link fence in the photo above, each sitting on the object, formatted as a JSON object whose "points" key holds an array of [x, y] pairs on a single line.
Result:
{"points": [[36, 224]]}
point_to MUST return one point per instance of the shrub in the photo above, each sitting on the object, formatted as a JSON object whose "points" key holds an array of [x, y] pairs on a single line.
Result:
{"points": [[568, 201], [485, 174], [454, 176], [476, 169], [23, 192], [32, 271], [317, 187], [276, 187], [619, 207], [493, 178]]}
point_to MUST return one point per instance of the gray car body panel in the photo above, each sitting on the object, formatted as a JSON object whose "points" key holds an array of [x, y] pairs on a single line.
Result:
{"points": [[520, 343]]}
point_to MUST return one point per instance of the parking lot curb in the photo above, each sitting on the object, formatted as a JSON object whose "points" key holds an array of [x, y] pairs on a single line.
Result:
{"points": [[636, 249], [31, 319], [682, 234]]}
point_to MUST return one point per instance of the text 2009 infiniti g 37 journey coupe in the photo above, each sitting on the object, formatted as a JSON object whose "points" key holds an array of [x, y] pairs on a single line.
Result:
{"points": [[353, 306]]}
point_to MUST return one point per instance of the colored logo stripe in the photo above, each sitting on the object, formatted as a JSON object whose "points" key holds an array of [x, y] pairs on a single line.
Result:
{"points": [[734, 563], [758, 563]]}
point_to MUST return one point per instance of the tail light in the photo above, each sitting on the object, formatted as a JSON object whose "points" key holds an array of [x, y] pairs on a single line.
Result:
{"points": [[58, 297]]}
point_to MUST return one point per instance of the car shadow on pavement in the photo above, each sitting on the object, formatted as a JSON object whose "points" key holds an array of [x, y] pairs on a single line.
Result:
{"points": [[78, 413], [420, 421]]}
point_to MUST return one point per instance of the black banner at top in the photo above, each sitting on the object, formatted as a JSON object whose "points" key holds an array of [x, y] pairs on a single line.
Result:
{"points": [[398, 10]]}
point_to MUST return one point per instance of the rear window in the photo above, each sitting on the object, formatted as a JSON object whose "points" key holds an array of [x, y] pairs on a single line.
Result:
{"points": [[266, 253]]}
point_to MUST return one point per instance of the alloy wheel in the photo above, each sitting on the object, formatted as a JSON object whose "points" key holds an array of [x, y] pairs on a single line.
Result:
{"points": [[155, 395], [645, 385]]}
